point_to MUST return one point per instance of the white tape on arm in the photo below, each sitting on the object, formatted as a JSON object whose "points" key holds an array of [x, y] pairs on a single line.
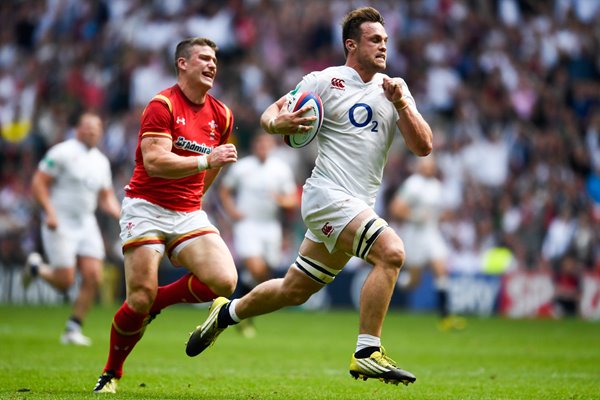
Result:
{"points": [[202, 163]]}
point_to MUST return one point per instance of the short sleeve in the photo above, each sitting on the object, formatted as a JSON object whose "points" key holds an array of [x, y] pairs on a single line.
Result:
{"points": [[309, 83], [229, 121], [156, 120], [107, 181], [53, 161], [408, 190]]}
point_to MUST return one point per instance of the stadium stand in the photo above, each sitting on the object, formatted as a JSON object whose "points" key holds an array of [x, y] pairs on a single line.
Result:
{"points": [[510, 87]]}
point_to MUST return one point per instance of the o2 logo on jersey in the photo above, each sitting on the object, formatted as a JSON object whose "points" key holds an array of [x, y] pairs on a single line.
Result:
{"points": [[361, 115]]}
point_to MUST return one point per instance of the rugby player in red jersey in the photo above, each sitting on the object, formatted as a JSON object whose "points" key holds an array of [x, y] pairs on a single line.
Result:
{"points": [[182, 145]]}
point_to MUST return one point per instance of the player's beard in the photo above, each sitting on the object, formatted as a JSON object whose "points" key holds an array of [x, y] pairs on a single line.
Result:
{"points": [[373, 64], [379, 63]]}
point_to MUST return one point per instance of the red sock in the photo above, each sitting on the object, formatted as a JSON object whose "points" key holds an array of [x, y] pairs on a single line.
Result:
{"points": [[126, 330], [187, 289]]}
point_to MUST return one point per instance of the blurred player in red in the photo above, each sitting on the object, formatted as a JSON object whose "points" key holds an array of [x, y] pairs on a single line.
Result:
{"points": [[181, 148]]}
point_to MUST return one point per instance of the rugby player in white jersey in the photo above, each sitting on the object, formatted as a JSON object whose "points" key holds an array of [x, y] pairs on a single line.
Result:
{"points": [[363, 110], [419, 205], [253, 193], [72, 181]]}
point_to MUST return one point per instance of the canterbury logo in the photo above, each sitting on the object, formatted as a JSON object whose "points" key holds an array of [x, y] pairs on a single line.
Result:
{"points": [[337, 83], [327, 229]]}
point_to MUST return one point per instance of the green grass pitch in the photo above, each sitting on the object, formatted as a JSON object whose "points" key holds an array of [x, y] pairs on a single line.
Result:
{"points": [[302, 355]]}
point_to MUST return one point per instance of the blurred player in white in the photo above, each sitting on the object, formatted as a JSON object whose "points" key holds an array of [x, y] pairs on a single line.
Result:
{"points": [[253, 193], [363, 110], [72, 180], [419, 204]]}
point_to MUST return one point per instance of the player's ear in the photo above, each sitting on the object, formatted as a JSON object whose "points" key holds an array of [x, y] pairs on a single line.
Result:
{"points": [[181, 63], [350, 45]]}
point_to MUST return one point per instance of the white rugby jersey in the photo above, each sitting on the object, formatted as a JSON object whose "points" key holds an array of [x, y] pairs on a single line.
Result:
{"points": [[257, 183], [424, 197], [359, 125], [79, 174]]}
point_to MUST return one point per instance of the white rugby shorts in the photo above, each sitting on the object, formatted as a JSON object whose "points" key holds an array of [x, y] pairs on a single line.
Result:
{"points": [[73, 237], [422, 246], [147, 224], [253, 238], [326, 210]]}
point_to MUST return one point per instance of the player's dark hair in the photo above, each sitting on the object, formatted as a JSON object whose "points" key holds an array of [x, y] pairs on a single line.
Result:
{"points": [[354, 19], [183, 48]]}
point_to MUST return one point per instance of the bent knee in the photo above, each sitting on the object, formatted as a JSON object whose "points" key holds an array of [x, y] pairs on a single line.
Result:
{"points": [[393, 257], [141, 298], [64, 282], [225, 287]]}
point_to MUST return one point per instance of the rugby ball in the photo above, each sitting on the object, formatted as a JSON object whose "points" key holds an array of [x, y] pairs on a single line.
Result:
{"points": [[298, 101]]}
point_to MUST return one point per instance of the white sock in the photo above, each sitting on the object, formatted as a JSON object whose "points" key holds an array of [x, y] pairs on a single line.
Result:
{"points": [[365, 340], [72, 326], [232, 313]]}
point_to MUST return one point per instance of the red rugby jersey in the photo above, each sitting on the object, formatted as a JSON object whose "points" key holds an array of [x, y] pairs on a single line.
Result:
{"points": [[195, 130]]}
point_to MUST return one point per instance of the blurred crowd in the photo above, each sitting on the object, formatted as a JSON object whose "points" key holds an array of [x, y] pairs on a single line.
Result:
{"points": [[510, 87]]}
